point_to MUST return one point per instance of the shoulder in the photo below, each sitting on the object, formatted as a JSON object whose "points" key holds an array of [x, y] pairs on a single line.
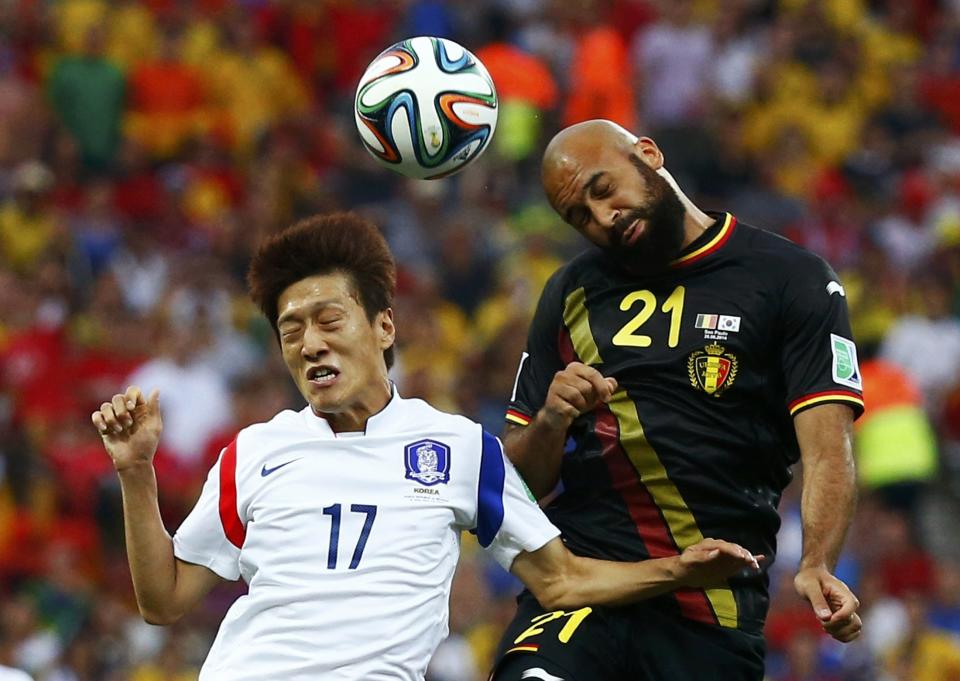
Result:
{"points": [[418, 413], [573, 274], [778, 256], [281, 425]]}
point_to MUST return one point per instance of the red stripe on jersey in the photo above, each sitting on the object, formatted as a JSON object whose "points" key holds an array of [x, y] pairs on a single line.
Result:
{"points": [[826, 393], [565, 347], [518, 416], [229, 518], [712, 247], [646, 516]]}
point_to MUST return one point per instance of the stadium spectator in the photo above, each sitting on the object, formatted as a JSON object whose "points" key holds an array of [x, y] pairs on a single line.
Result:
{"points": [[87, 92]]}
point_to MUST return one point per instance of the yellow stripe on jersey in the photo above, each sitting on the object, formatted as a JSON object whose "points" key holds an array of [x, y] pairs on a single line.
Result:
{"points": [[513, 417], [826, 398], [710, 244], [578, 323], [680, 521]]}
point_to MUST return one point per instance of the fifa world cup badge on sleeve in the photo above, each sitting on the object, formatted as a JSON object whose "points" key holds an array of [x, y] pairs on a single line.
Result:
{"points": [[846, 370], [427, 462]]}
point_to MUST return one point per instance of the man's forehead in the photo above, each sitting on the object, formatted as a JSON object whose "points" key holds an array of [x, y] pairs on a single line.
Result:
{"points": [[317, 291]]}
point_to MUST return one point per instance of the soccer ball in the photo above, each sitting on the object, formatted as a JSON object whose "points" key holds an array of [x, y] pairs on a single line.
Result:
{"points": [[426, 107]]}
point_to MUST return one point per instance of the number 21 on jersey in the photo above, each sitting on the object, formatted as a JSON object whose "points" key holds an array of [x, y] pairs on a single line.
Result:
{"points": [[673, 306]]}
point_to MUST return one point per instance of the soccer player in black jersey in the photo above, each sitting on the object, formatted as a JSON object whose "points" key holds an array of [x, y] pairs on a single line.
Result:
{"points": [[671, 378]]}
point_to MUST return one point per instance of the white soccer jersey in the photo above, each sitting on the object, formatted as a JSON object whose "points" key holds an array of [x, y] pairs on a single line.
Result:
{"points": [[349, 541]]}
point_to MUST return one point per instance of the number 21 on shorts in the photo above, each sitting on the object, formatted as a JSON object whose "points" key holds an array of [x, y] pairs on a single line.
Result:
{"points": [[574, 620]]}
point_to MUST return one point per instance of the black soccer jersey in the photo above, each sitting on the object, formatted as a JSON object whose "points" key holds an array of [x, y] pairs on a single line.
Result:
{"points": [[713, 358]]}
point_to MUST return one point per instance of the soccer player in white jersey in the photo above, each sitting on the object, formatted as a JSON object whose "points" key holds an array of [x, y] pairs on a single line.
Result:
{"points": [[345, 518]]}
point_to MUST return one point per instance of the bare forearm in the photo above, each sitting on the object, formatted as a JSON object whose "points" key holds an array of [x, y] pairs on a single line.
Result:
{"points": [[600, 582], [537, 452], [829, 499], [149, 547], [829, 483]]}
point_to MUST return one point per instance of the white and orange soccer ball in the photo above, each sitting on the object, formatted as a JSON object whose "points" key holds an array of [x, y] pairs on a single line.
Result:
{"points": [[426, 107]]}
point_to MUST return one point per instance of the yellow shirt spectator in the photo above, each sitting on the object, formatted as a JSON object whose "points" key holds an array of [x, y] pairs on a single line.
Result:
{"points": [[24, 235]]}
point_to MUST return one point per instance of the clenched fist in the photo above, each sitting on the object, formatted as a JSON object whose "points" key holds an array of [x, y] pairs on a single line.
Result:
{"points": [[576, 390], [130, 427]]}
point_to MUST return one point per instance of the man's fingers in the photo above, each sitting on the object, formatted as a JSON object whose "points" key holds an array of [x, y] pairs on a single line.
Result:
{"points": [[810, 587], [133, 397], [602, 387], [124, 417], [848, 604], [846, 630], [811, 591], [599, 386], [99, 422], [110, 418], [611, 384], [572, 398], [153, 402]]}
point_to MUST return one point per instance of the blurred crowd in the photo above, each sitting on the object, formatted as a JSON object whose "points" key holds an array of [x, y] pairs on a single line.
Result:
{"points": [[147, 145]]}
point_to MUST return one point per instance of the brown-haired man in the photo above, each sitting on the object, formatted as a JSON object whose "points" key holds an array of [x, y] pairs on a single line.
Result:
{"points": [[344, 518]]}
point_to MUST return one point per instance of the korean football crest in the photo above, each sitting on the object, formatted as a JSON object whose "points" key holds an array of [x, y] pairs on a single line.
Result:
{"points": [[712, 370], [427, 462]]}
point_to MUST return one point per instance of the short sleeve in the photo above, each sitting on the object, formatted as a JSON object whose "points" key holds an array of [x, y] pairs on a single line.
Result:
{"points": [[508, 519], [818, 354], [203, 536], [541, 359]]}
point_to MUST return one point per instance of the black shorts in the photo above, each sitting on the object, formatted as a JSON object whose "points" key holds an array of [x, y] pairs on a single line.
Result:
{"points": [[635, 643]]}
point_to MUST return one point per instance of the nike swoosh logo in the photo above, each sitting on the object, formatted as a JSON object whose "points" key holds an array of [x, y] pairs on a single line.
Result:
{"points": [[264, 472]]}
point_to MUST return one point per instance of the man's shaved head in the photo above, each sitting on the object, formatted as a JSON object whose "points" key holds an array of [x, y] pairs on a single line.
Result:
{"points": [[605, 182], [583, 138]]}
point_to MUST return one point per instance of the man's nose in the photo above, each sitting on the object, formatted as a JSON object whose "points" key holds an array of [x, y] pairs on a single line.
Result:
{"points": [[314, 342], [605, 215]]}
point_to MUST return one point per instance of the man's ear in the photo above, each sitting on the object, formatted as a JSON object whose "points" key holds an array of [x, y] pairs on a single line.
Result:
{"points": [[385, 328], [649, 152]]}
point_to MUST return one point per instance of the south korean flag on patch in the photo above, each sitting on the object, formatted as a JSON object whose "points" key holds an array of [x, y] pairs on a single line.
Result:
{"points": [[728, 323]]}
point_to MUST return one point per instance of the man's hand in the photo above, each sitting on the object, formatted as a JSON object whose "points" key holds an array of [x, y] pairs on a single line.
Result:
{"points": [[130, 427], [576, 390], [711, 561], [832, 601]]}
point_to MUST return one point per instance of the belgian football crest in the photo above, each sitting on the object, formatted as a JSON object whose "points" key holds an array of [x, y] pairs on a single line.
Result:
{"points": [[427, 462], [712, 370]]}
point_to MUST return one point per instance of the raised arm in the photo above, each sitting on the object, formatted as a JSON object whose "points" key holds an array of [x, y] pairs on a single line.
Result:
{"points": [[166, 587], [537, 448], [560, 580], [829, 496]]}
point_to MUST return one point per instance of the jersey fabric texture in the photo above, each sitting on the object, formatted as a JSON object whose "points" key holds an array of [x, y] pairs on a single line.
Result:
{"points": [[713, 357], [349, 541]]}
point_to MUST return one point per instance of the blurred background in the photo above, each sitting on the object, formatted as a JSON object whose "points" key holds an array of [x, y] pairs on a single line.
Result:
{"points": [[147, 146]]}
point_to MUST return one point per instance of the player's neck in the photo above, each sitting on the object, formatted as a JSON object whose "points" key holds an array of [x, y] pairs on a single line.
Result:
{"points": [[695, 223], [354, 418]]}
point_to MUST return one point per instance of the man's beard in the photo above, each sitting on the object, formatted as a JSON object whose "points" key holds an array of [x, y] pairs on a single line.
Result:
{"points": [[663, 238]]}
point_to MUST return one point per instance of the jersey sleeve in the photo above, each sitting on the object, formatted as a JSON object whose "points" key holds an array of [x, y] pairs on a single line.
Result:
{"points": [[508, 519], [210, 536], [818, 355], [541, 359]]}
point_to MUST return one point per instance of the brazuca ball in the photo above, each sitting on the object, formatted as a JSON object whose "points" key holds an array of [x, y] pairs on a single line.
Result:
{"points": [[426, 107]]}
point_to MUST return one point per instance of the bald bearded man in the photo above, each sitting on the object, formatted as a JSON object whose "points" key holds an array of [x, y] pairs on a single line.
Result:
{"points": [[673, 375]]}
